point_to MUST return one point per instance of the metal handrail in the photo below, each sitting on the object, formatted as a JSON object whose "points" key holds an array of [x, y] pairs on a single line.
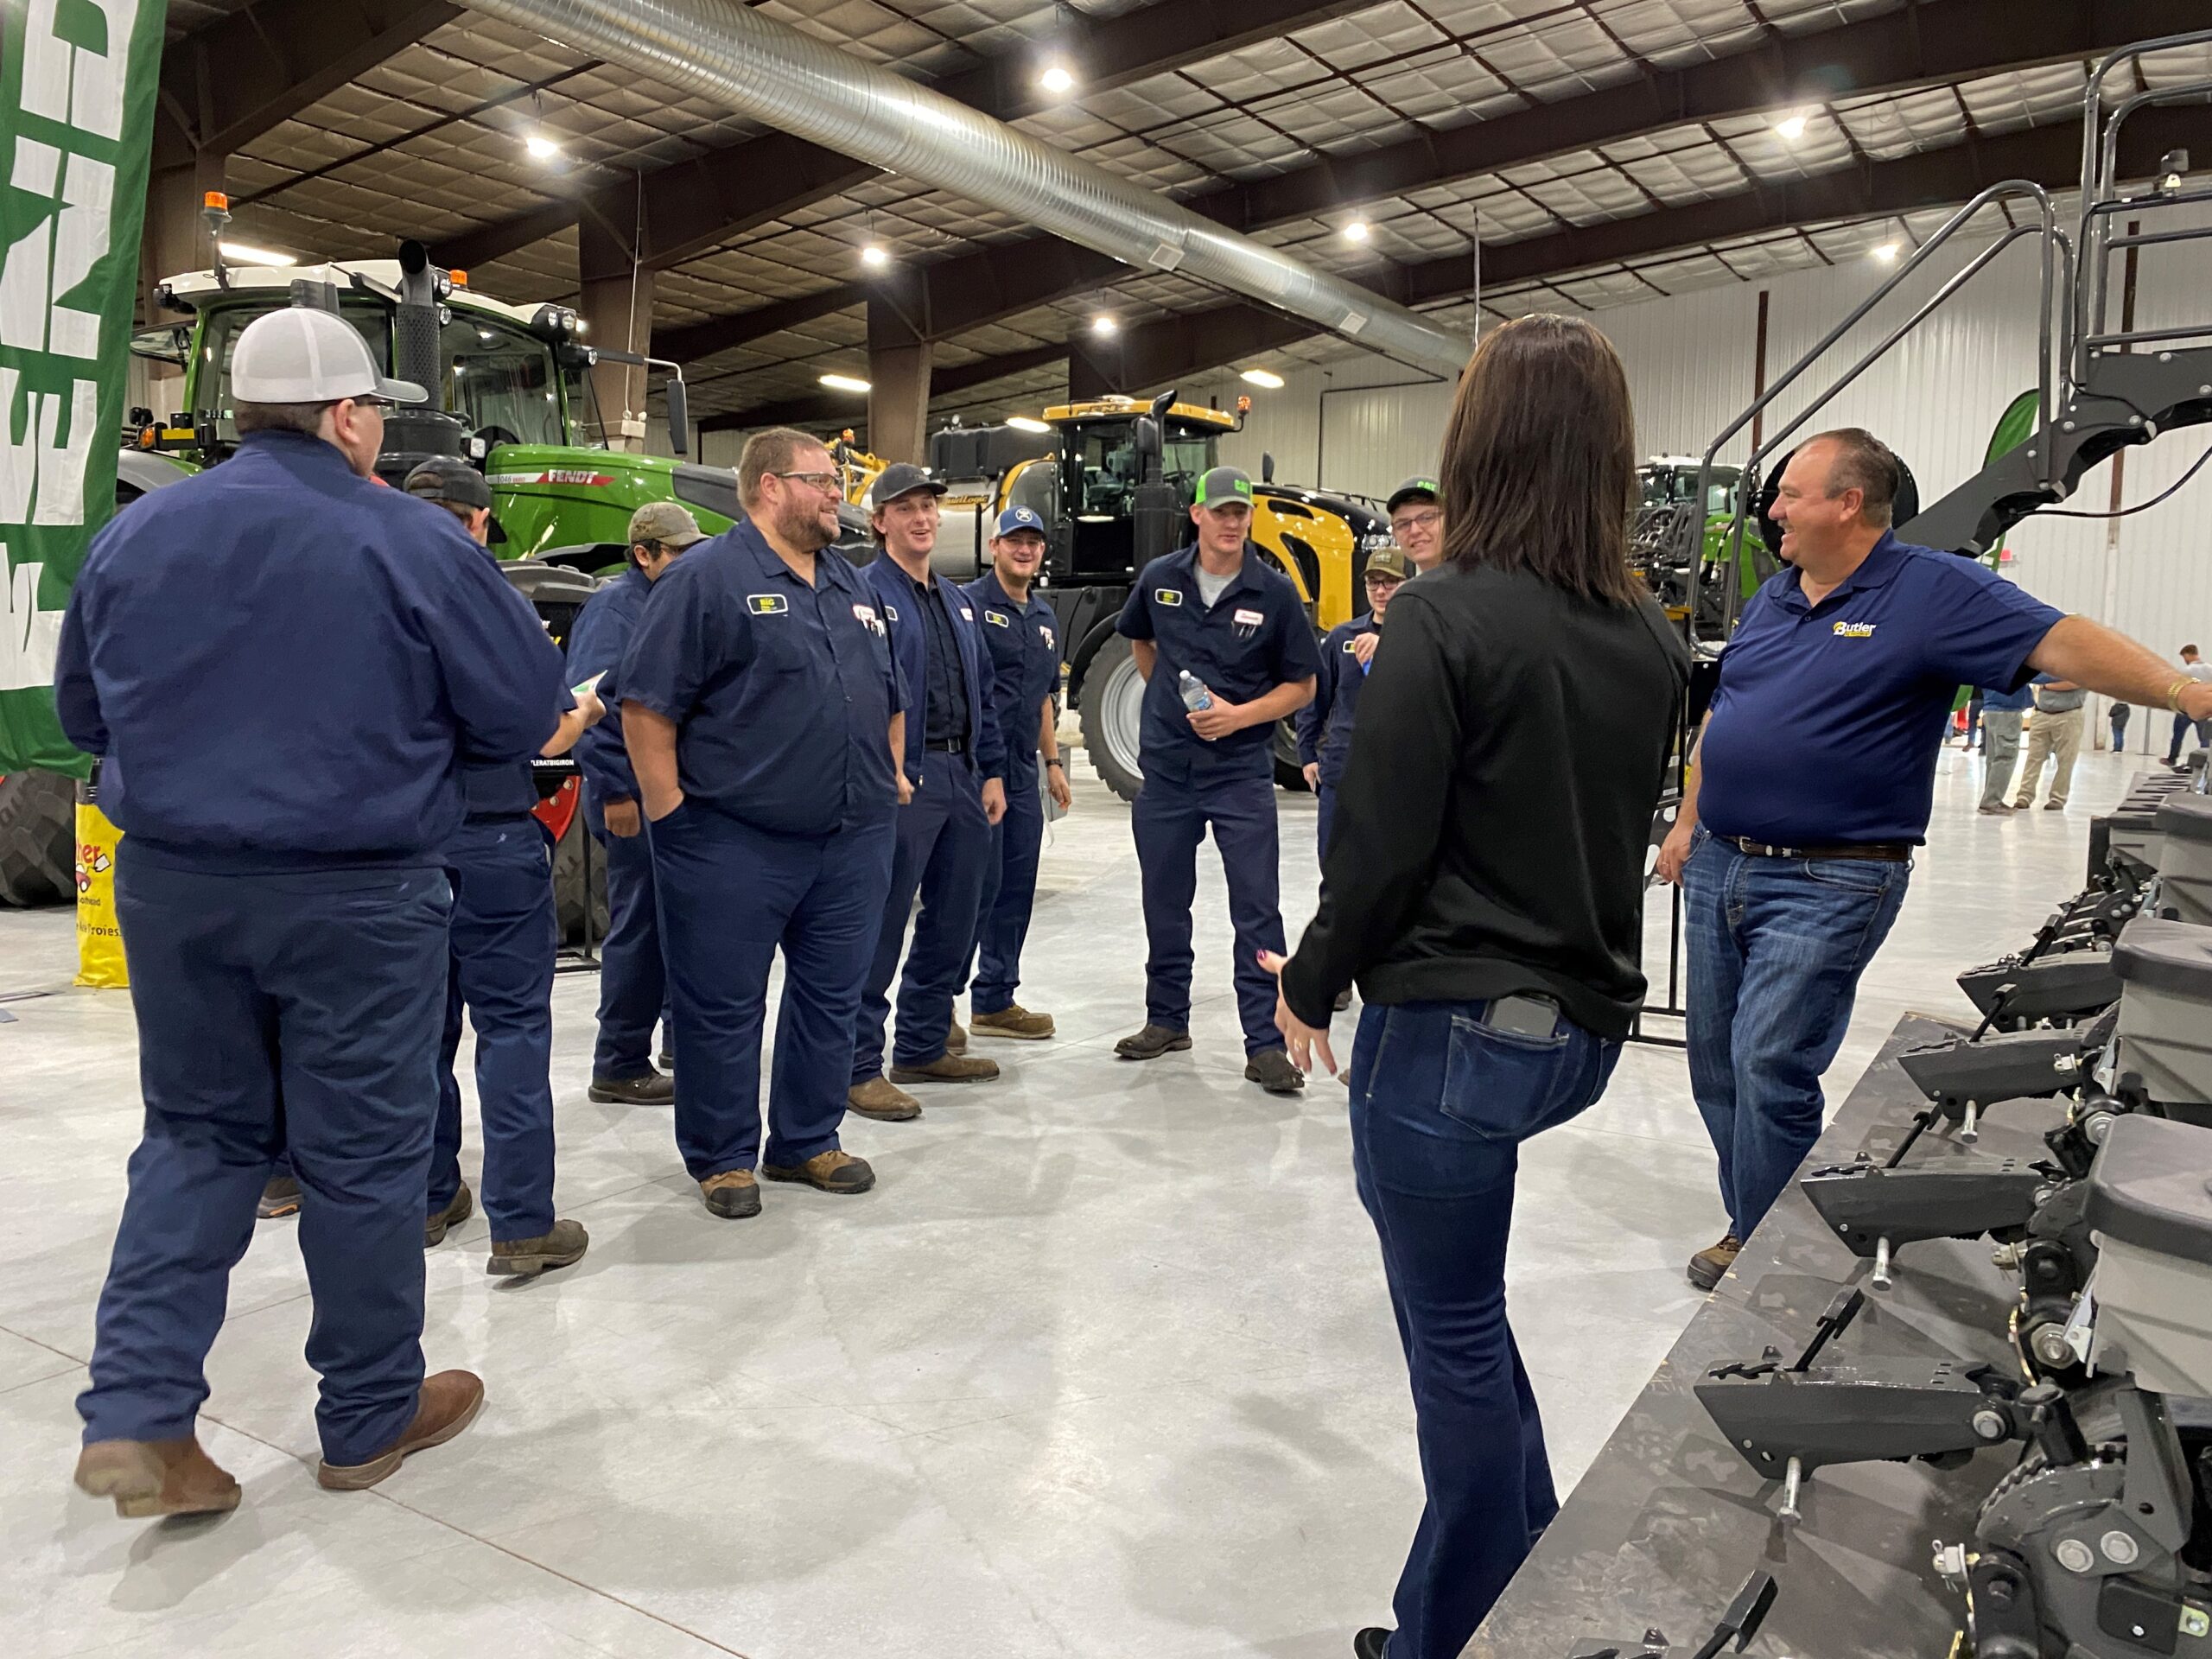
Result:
{"points": [[2100, 203]]}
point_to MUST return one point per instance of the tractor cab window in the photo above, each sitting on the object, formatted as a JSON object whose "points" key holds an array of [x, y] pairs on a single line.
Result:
{"points": [[1186, 457], [220, 341], [1106, 470], [500, 381], [586, 428]]}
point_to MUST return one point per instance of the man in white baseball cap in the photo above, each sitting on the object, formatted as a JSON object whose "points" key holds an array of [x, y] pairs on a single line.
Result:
{"points": [[303, 370]]}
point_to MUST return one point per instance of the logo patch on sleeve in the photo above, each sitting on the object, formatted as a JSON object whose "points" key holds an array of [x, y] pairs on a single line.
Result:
{"points": [[1854, 630], [997, 618], [1352, 647], [1167, 595], [767, 604]]}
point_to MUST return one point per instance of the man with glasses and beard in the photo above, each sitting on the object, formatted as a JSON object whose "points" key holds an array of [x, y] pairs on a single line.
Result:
{"points": [[766, 722]]}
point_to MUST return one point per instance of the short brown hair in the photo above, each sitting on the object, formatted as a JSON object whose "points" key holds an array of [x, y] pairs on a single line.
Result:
{"points": [[280, 417], [2189, 650], [1539, 462], [767, 452], [1865, 463]]}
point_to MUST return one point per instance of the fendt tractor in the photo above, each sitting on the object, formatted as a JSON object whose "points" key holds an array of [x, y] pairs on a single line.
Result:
{"points": [[1113, 480]]}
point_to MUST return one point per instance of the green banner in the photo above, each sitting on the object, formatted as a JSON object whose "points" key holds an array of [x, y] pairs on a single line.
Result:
{"points": [[77, 84]]}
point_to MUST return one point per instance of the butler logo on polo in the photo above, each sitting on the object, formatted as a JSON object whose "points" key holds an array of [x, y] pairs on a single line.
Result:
{"points": [[768, 604], [1854, 630]]}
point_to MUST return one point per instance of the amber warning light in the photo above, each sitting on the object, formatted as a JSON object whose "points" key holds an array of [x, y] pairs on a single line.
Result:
{"points": [[216, 202]]}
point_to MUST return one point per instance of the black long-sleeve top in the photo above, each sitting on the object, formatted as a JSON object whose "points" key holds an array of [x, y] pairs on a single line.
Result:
{"points": [[1493, 823]]}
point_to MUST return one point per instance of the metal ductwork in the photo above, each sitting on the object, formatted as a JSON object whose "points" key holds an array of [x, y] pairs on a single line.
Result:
{"points": [[769, 72]]}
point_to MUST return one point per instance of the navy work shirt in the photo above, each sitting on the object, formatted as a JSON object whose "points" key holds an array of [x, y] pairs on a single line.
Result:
{"points": [[1023, 643], [1826, 720], [946, 718], [893, 590], [1248, 642], [286, 665], [1325, 724], [595, 646], [782, 693]]}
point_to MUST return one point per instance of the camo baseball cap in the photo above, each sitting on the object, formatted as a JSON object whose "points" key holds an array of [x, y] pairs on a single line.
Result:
{"points": [[1223, 486], [664, 524]]}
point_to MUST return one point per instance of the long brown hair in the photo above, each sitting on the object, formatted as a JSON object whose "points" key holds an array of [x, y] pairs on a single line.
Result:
{"points": [[1539, 465]]}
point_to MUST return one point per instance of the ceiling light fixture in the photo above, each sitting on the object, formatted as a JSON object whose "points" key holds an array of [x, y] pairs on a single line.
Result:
{"points": [[1357, 231], [1267, 377], [844, 383], [541, 148], [1057, 78], [873, 257], [1791, 129], [246, 256], [1027, 423], [1102, 324], [1887, 253]]}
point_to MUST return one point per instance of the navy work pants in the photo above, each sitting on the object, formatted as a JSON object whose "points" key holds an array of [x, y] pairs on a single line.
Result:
{"points": [[1440, 1104], [1009, 895], [275, 1010], [503, 939], [1324, 801], [944, 845], [1169, 819], [730, 896], [633, 975]]}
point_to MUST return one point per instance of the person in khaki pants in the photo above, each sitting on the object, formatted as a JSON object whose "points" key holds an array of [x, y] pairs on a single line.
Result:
{"points": [[2056, 733]]}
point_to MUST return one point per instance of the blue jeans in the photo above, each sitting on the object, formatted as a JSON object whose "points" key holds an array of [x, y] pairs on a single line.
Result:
{"points": [[1440, 1104], [1775, 948]]}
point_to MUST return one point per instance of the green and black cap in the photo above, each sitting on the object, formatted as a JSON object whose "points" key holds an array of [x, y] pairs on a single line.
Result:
{"points": [[1414, 489], [1222, 486]]}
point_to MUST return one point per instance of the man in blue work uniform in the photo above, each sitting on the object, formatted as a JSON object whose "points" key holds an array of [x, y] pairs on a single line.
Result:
{"points": [[1325, 724], [766, 724], [286, 667], [956, 758], [633, 976], [1811, 786], [503, 939], [1226, 652], [1022, 636]]}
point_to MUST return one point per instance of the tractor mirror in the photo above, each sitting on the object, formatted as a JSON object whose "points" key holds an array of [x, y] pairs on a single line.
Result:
{"points": [[679, 417], [1267, 467], [1145, 434]]}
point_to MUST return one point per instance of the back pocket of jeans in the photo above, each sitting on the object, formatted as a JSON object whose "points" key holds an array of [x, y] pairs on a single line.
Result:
{"points": [[1506, 1085]]}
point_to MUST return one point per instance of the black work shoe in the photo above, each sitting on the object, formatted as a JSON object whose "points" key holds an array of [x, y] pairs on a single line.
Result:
{"points": [[1709, 1264], [1271, 1068], [280, 1198], [732, 1195], [1152, 1042], [667, 1061], [827, 1171], [651, 1089], [1372, 1643], [458, 1209]]}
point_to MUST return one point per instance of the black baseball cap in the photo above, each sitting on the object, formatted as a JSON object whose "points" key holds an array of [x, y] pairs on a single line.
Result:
{"points": [[1412, 489], [448, 478], [902, 478]]}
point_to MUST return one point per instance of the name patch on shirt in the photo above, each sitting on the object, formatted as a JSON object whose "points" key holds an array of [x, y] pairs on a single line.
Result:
{"points": [[865, 616], [767, 604], [996, 619], [1167, 595], [1248, 618], [1050, 643], [1854, 630]]}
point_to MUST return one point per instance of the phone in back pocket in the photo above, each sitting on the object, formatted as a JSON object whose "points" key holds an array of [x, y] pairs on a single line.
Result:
{"points": [[1524, 1016]]}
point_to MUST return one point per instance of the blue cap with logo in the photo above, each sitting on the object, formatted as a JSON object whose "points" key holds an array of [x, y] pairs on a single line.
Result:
{"points": [[1014, 518]]}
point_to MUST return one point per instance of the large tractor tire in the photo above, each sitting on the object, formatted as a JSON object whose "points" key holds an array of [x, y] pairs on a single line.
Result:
{"points": [[1113, 712], [569, 895], [38, 839]]}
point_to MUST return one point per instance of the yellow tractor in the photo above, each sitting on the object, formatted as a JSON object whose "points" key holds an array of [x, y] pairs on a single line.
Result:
{"points": [[1113, 481]]}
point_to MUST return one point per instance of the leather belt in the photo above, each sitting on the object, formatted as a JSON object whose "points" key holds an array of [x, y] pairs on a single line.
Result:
{"points": [[1878, 852], [948, 746]]}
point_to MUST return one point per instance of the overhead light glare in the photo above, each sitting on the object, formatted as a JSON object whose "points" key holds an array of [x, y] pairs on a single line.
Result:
{"points": [[1791, 129], [873, 257], [541, 148], [1887, 253], [1102, 324], [1057, 78], [1027, 423], [246, 256], [1267, 377], [844, 383], [1357, 231]]}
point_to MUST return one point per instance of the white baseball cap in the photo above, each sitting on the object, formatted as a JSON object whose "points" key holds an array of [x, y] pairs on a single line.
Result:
{"points": [[302, 355]]}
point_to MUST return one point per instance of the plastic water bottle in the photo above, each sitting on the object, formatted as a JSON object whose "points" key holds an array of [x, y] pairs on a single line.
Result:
{"points": [[1195, 695]]}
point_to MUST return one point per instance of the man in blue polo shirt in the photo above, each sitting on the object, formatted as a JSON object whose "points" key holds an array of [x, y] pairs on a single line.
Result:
{"points": [[1226, 652], [1811, 787]]}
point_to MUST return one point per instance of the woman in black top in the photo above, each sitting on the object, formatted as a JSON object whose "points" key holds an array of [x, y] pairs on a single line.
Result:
{"points": [[1485, 887]]}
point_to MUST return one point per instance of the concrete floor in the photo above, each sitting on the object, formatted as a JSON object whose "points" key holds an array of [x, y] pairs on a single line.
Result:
{"points": [[1103, 1367]]}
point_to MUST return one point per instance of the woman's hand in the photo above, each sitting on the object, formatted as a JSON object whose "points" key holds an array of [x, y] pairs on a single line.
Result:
{"points": [[1303, 1041]]}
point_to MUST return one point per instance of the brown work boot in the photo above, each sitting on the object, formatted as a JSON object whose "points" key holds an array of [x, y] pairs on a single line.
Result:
{"points": [[526, 1258], [1707, 1266], [1152, 1042], [829, 1172], [732, 1195], [458, 1210], [448, 1404], [956, 1037], [1271, 1068], [947, 1068], [1015, 1022], [153, 1477], [883, 1101], [651, 1089]]}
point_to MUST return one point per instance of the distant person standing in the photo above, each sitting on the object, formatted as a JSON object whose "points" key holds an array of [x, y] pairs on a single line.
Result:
{"points": [[2119, 716], [2054, 733], [633, 973], [2002, 709], [286, 668], [2196, 668], [1325, 724]]}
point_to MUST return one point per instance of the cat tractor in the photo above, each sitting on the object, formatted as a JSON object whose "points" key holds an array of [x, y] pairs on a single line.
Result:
{"points": [[1113, 481]]}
